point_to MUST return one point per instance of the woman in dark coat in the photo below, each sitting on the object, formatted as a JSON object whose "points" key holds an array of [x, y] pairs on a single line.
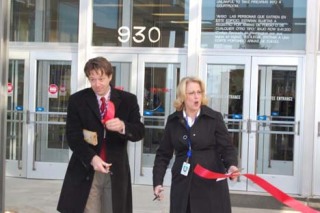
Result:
{"points": [[85, 163], [197, 135]]}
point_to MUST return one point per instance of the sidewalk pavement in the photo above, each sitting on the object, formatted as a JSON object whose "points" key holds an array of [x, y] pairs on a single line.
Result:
{"points": [[41, 196]]}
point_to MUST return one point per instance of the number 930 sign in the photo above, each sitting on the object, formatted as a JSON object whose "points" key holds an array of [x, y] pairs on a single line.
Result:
{"points": [[138, 34]]}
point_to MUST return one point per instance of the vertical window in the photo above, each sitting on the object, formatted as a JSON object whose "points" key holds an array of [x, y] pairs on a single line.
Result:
{"points": [[107, 18], [170, 18], [15, 110], [139, 23], [44, 20], [254, 24]]}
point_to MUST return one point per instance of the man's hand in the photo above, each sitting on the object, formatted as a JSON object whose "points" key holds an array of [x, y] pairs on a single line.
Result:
{"points": [[99, 165], [115, 125]]}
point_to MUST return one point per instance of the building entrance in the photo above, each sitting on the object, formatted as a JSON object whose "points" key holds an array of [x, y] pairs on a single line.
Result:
{"points": [[258, 99], [153, 78], [256, 95], [39, 86], [38, 89]]}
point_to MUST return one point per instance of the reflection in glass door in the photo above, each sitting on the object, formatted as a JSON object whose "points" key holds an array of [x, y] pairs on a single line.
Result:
{"points": [[258, 99], [276, 106], [276, 119], [52, 94], [228, 93], [121, 75], [159, 91]]}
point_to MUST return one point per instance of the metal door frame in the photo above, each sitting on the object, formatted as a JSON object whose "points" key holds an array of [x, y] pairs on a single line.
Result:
{"points": [[205, 60], [143, 175], [316, 158], [13, 167], [290, 184], [36, 169]]}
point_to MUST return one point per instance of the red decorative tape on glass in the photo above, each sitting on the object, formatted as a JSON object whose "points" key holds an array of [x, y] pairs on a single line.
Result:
{"points": [[275, 192]]}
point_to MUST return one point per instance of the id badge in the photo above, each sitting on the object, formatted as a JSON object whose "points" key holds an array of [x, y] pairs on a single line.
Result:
{"points": [[185, 169]]}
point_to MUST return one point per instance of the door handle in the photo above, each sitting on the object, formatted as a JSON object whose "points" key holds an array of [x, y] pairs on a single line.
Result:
{"points": [[141, 170], [28, 117], [20, 126], [319, 129], [141, 156], [249, 126]]}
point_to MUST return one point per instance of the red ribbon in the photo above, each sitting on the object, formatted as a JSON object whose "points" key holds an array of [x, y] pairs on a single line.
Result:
{"points": [[109, 113], [275, 192]]}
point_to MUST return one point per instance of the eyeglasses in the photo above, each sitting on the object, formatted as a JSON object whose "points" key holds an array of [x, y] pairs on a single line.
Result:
{"points": [[194, 93]]}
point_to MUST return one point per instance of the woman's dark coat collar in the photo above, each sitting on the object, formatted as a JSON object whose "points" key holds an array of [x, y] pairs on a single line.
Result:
{"points": [[205, 111]]}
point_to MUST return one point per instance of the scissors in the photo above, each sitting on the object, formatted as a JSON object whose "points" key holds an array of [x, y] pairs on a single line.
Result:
{"points": [[156, 197]]}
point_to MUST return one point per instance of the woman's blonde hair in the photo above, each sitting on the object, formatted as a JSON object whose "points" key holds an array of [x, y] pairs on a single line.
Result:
{"points": [[181, 92]]}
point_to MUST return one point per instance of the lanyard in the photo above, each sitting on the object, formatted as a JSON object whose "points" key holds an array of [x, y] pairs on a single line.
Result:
{"points": [[189, 153]]}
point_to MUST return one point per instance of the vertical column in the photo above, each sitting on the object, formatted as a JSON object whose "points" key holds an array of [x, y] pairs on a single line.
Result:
{"points": [[194, 37], [4, 32], [84, 42], [308, 178]]}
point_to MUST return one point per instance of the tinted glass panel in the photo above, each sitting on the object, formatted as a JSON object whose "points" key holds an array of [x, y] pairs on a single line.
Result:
{"points": [[225, 89], [255, 24], [44, 21], [166, 22], [159, 93], [140, 23], [52, 94], [15, 110], [276, 119]]}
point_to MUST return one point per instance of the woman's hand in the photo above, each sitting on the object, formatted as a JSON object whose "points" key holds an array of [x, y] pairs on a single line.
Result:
{"points": [[158, 192], [235, 173]]}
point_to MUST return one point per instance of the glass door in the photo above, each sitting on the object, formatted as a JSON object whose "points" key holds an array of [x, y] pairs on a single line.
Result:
{"points": [[258, 99], [16, 154], [228, 89], [158, 78], [48, 152], [276, 121]]}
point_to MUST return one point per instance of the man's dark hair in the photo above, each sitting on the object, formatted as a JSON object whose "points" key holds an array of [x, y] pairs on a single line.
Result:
{"points": [[98, 64]]}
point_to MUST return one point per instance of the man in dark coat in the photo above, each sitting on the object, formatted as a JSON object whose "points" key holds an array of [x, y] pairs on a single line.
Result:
{"points": [[86, 163]]}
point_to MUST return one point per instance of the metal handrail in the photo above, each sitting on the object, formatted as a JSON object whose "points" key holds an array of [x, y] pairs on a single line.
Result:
{"points": [[282, 124]]}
